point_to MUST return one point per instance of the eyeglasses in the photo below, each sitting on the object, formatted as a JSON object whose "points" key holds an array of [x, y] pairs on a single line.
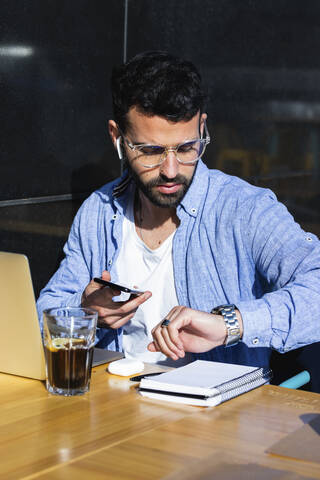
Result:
{"points": [[187, 153]]}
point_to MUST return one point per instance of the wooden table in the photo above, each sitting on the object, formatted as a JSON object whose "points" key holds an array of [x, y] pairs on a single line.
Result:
{"points": [[113, 433]]}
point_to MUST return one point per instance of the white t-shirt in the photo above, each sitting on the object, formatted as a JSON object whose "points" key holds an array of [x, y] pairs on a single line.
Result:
{"points": [[142, 268]]}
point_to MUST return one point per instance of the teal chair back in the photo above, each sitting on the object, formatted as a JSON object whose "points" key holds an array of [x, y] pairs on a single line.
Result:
{"points": [[297, 381]]}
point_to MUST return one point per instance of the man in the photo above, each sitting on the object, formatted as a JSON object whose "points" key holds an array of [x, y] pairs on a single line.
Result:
{"points": [[193, 239]]}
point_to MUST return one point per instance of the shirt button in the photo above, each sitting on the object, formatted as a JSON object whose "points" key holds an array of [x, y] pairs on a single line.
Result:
{"points": [[193, 210], [110, 262], [114, 217], [255, 341], [309, 239]]}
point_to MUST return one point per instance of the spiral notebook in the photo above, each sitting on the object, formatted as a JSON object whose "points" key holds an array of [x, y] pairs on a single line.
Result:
{"points": [[204, 383]]}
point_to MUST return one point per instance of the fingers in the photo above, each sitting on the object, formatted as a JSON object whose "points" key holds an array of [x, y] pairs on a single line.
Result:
{"points": [[152, 348], [124, 311], [114, 321], [119, 313], [166, 338], [111, 314], [94, 286], [166, 345], [96, 294], [197, 331], [106, 275]]}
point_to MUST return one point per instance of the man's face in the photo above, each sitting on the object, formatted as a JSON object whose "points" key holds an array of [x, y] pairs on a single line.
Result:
{"points": [[166, 184]]}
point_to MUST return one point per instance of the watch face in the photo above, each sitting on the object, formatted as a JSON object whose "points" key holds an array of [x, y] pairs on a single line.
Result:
{"points": [[228, 306]]}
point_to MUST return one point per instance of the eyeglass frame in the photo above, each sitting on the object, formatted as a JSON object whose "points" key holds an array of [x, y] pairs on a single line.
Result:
{"points": [[133, 147]]}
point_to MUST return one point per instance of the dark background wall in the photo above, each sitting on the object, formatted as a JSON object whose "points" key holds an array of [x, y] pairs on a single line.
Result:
{"points": [[259, 60], [55, 62]]}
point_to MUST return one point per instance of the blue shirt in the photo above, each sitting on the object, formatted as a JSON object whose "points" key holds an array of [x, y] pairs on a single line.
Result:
{"points": [[235, 244]]}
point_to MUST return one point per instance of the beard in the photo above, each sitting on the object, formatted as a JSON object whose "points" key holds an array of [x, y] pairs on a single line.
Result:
{"points": [[168, 200]]}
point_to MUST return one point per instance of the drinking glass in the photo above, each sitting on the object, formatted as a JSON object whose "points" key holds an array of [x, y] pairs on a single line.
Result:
{"points": [[68, 337]]}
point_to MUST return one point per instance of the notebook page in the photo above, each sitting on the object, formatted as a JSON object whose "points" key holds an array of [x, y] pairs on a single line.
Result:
{"points": [[202, 373]]}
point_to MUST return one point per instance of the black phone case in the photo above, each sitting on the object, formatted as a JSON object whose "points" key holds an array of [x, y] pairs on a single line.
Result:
{"points": [[117, 286]]}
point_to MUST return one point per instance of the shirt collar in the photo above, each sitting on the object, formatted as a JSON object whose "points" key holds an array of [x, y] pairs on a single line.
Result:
{"points": [[194, 197], [122, 185]]}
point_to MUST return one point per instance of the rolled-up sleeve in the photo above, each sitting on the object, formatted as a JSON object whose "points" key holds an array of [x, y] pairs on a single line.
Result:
{"points": [[288, 316]]}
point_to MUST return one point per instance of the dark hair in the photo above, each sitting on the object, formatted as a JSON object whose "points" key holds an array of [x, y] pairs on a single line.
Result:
{"points": [[157, 83]]}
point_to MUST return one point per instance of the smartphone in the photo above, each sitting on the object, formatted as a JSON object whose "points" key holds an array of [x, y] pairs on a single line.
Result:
{"points": [[116, 286]]}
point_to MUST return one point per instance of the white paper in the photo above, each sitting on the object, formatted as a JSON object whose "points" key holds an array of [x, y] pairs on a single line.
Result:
{"points": [[199, 377]]}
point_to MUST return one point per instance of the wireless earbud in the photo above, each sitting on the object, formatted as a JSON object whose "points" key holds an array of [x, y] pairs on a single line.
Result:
{"points": [[118, 144]]}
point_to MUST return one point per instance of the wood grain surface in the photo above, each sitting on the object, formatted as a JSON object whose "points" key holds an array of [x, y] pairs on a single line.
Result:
{"points": [[114, 433]]}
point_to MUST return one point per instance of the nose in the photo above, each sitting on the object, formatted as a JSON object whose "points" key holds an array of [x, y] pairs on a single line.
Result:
{"points": [[170, 166]]}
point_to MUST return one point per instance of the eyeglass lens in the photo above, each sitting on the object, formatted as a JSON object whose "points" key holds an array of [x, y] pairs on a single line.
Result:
{"points": [[187, 152]]}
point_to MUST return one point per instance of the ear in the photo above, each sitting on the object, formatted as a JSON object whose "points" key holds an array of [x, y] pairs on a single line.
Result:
{"points": [[203, 118], [113, 132], [115, 137]]}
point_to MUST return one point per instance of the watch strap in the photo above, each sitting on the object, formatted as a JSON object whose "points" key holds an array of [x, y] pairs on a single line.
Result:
{"points": [[230, 318]]}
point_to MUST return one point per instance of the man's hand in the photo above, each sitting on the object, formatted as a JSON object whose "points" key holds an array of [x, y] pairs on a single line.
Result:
{"points": [[188, 331], [110, 314]]}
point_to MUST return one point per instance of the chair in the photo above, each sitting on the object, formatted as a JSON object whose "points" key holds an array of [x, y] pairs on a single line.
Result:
{"points": [[289, 364], [297, 381]]}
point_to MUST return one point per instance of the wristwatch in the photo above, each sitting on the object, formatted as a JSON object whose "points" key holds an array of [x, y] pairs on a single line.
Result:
{"points": [[230, 318]]}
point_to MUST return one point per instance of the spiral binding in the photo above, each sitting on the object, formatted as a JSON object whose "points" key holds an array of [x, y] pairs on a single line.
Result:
{"points": [[243, 384]]}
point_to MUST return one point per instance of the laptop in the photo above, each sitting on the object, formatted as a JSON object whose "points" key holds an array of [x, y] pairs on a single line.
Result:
{"points": [[21, 350]]}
